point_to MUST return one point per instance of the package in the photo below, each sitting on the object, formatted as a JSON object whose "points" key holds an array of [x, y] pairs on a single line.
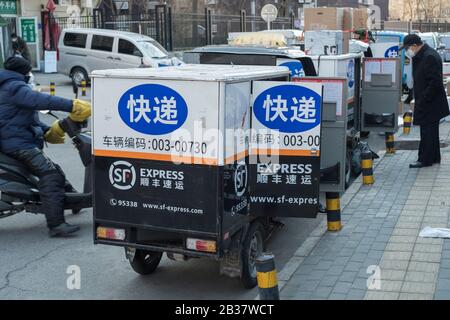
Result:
{"points": [[324, 18], [361, 19], [326, 42], [348, 19], [357, 46]]}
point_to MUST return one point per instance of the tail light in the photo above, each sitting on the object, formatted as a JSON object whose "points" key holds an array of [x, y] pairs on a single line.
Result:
{"points": [[201, 245], [110, 233]]}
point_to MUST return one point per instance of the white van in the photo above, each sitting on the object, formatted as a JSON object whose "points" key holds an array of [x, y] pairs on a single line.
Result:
{"points": [[83, 50]]}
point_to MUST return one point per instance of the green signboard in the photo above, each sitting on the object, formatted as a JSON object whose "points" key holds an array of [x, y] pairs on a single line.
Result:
{"points": [[8, 7], [28, 27]]}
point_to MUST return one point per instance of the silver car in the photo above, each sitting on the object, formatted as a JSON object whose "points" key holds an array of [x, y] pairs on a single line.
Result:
{"points": [[445, 39], [432, 40], [83, 50]]}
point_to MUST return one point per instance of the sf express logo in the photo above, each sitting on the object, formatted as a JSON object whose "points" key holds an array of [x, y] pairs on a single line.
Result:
{"points": [[122, 175], [152, 109], [288, 108], [240, 179]]}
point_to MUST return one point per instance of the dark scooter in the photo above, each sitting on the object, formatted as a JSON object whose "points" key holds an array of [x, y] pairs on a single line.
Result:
{"points": [[18, 187]]}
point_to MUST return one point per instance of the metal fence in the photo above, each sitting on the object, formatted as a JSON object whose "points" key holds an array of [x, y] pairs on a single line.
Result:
{"points": [[421, 26], [177, 31]]}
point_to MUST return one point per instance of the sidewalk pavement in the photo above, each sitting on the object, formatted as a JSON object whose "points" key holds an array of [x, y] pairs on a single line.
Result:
{"points": [[380, 236]]}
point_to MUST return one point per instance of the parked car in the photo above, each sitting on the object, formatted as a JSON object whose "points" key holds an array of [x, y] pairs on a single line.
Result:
{"points": [[432, 40], [445, 39], [83, 50]]}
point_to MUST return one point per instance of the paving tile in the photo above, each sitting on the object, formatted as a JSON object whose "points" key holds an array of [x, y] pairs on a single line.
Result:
{"points": [[426, 257], [419, 276], [395, 246], [397, 255], [355, 294], [337, 296], [391, 285], [442, 294], [381, 295], [348, 276], [392, 274], [429, 248], [394, 264], [328, 281], [418, 287], [443, 284], [342, 287]]}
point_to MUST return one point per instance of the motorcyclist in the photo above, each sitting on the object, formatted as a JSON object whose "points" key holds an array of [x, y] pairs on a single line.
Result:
{"points": [[22, 136]]}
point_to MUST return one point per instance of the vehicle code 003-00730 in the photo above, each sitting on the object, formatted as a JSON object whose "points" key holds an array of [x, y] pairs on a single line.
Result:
{"points": [[225, 309]]}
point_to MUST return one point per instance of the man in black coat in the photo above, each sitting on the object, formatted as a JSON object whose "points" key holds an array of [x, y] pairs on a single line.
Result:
{"points": [[430, 99]]}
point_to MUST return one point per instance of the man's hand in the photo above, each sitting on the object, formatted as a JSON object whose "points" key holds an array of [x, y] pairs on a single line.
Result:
{"points": [[81, 110], [55, 134]]}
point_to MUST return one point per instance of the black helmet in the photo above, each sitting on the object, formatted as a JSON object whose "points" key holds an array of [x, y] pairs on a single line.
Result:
{"points": [[18, 64]]}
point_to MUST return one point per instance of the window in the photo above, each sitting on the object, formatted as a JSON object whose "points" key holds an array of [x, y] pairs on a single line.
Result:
{"points": [[126, 47], [102, 43], [153, 49], [77, 40]]}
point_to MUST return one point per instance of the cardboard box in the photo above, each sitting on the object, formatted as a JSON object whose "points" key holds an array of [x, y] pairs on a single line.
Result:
{"points": [[326, 42], [361, 19], [348, 19], [324, 18]]}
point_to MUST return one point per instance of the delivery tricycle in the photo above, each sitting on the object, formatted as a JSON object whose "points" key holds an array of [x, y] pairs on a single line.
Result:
{"points": [[181, 161]]}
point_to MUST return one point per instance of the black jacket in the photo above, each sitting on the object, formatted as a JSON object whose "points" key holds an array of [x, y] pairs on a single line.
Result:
{"points": [[20, 128], [430, 99]]}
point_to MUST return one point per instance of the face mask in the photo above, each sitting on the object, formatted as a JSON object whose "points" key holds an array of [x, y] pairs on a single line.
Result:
{"points": [[410, 53]]}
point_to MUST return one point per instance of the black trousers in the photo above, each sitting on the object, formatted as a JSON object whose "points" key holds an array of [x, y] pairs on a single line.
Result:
{"points": [[429, 148], [51, 185]]}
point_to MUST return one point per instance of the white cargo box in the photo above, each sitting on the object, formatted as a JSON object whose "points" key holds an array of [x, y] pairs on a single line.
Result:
{"points": [[173, 104], [326, 42], [338, 66]]}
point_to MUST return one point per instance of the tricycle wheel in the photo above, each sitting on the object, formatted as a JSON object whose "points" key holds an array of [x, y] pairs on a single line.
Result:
{"points": [[145, 262], [252, 247]]}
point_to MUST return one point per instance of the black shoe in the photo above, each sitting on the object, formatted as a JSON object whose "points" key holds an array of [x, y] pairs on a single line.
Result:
{"points": [[419, 164], [62, 230]]}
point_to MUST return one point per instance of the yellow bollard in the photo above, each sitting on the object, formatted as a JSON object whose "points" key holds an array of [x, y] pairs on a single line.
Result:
{"points": [[52, 88], [333, 211], [83, 88], [407, 120], [389, 139], [367, 167], [266, 276]]}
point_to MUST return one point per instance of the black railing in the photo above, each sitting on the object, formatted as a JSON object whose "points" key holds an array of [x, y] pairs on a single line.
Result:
{"points": [[177, 31]]}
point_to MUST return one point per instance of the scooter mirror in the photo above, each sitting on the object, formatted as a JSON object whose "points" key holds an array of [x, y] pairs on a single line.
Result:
{"points": [[75, 89]]}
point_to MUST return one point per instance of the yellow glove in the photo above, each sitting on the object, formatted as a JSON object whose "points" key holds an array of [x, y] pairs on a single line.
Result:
{"points": [[81, 110], [55, 134]]}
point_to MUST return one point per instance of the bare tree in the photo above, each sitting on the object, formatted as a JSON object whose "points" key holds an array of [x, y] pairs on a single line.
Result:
{"points": [[429, 8], [109, 6], [408, 11]]}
